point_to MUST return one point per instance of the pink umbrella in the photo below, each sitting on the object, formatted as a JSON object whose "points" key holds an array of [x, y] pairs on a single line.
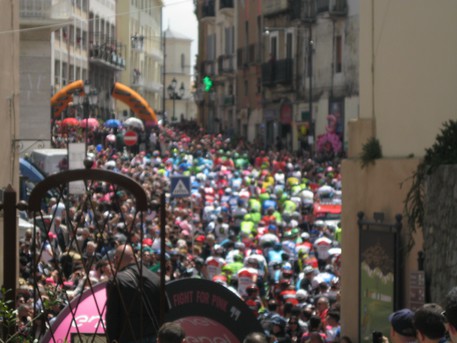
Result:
{"points": [[111, 138], [92, 123]]}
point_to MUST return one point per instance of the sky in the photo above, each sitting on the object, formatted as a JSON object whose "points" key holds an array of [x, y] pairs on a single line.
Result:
{"points": [[179, 16]]}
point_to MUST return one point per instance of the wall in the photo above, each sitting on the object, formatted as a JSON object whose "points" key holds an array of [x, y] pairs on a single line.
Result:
{"points": [[9, 102], [378, 188], [35, 76], [415, 44]]}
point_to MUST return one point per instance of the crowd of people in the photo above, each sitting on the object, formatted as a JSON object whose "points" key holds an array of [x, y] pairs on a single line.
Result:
{"points": [[248, 225]]}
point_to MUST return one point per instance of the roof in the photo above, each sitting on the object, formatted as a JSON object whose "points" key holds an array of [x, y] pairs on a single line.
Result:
{"points": [[169, 34]]}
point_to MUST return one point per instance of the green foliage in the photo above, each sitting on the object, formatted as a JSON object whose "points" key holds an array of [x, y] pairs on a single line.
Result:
{"points": [[7, 311], [371, 151], [442, 152]]}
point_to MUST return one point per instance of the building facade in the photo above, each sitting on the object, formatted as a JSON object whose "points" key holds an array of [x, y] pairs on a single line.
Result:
{"points": [[106, 54], [296, 78], [179, 103], [139, 23], [38, 21], [407, 81]]}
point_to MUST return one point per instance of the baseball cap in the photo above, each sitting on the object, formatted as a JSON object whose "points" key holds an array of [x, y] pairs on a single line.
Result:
{"points": [[402, 322]]}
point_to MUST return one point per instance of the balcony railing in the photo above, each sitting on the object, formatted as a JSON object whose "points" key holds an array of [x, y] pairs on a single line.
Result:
{"points": [[338, 7], [225, 64], [45, 9], [106, 54], [223, 4], [284, 71], [279, 72], [208, 9], [207, 67], [307, 10], [272, 7], [227, 100], [137, 43], [322, 6]]}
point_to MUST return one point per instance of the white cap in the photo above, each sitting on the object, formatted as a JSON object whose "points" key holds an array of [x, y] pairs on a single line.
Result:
{"points": [[301, 294]]}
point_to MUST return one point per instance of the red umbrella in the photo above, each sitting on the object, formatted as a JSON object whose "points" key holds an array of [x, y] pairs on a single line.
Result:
{"points": [[92, 123], [70, 122]]}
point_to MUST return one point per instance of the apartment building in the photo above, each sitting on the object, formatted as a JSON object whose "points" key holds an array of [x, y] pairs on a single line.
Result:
{"points": [[139, 25], [38, 20], [296, 69], [179, 99], [216, 63]]}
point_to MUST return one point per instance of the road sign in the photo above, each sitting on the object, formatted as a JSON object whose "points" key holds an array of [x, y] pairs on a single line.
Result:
{"points": [[180, 186], [130, 138]]}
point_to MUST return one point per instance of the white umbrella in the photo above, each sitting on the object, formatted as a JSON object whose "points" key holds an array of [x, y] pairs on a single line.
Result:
{"points": [[134, 122]]}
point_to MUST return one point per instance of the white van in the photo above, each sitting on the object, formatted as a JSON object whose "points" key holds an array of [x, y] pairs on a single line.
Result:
{"points": [[49, 160]]}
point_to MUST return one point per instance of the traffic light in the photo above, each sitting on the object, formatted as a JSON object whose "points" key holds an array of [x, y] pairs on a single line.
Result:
{"points": [[62, 98], [135, 101], [207, 83]]}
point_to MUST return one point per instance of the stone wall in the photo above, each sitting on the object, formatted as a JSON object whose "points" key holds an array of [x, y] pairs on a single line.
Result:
{"points": [[440, 229]]}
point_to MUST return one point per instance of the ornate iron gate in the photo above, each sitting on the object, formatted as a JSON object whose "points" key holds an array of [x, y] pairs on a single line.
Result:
{"points": [[111, 210]]}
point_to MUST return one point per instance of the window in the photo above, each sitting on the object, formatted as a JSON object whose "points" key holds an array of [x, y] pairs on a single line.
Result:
{"points": [[273, 47], [289, 42], [246, 86], [338, 54]]}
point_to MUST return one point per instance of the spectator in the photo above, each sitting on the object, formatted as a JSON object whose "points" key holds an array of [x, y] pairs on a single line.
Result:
{"points": [[402, 326], [171, 332], [429, 323], [450, 314], [132, 304]]}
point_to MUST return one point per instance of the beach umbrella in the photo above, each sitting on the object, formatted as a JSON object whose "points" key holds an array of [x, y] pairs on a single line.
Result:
{"points": [[134, 122], [112, 123], [70, 122]]}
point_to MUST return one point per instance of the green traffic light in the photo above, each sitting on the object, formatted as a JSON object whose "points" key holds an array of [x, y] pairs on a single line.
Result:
{"points": [[208, 83]]}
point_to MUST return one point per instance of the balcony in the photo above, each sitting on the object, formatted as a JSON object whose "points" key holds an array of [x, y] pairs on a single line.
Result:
{"points": [[137, 79], [137, 43], [279, 72], [310, 11], [284, 71], [207, 68], [106, 55], [42, 12], [208, 10], [274, 7], [225, 64], [226, 6], [322, 6], [227, 100], [338, 8]]}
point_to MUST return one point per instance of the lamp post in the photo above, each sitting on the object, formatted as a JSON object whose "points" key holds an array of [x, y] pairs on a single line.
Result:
{"points": [[175, 94], [88, 100]]}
